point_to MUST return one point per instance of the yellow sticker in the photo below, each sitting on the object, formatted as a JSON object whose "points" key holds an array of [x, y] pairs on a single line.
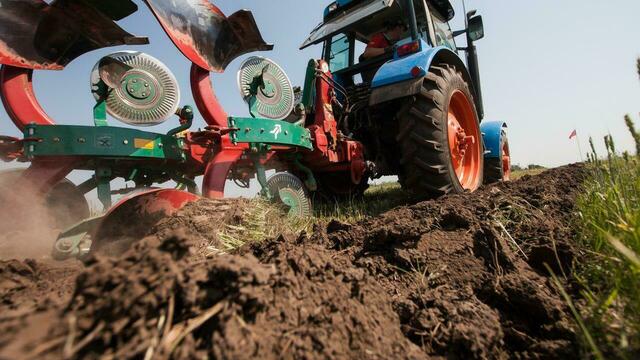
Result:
{"points": [[143, 144]]}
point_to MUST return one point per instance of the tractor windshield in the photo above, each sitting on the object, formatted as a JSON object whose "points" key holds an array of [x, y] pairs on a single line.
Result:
{"points": [[341, 22], [340, 55], [443, 33]]}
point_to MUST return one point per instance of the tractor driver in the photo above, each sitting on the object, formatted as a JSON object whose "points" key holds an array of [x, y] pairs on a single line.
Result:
{"points": [[382, 43]]}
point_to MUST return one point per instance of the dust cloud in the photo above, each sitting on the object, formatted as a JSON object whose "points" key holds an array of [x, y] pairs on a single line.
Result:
{"points": [[27, 226]]}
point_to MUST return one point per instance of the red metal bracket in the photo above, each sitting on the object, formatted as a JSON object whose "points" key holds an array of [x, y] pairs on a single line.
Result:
{"points": [[19, 99], [205, 98]]}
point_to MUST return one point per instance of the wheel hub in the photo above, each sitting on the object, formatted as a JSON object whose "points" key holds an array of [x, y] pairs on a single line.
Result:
{"points": [[462, 134], [459, 140], [506, 162]]}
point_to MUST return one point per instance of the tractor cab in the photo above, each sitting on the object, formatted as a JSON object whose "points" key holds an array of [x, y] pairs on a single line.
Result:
{"points": [[349, 26]]}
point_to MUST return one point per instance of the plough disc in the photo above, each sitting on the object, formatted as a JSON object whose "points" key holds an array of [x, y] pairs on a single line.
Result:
{"points": [[289, 191]]}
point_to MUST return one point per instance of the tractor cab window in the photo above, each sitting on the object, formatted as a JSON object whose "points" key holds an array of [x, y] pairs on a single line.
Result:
{"points": [[339, 53], [443, 33]]}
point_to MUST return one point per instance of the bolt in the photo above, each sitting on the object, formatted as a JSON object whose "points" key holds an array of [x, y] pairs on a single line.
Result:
{"points": [[146, 85], [144, 94], [160, 145], [82, 140], [56, 139], [126, 142], [135, 81], [65, 244]]}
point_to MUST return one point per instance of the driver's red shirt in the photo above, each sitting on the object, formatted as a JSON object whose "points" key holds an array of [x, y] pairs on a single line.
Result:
{"points": [[379, 41]]}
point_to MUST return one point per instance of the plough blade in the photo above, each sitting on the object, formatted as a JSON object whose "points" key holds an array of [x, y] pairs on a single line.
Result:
{"points": [[129, 219], [205, 35], [37, 35]]}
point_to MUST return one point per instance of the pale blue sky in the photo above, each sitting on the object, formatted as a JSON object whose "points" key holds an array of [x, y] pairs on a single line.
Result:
{"points": [[547, 66]]}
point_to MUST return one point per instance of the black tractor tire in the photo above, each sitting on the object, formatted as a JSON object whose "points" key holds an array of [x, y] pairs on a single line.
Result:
{"points": [[426, 165], [493, 168]]}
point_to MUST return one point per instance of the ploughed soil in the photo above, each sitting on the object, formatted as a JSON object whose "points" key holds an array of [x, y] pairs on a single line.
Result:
{"points": [[459, 277]]}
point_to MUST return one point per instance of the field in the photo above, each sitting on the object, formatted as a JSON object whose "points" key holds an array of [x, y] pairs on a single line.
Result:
{"points": [[464, 276], [459, 276]]}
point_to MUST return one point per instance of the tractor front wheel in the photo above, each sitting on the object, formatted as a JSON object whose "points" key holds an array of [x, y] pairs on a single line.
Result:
{"points": [[439, 137], [499, 169]]}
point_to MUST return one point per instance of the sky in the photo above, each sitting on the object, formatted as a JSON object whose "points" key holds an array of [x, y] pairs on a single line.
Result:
{"points": [[547, 67]]}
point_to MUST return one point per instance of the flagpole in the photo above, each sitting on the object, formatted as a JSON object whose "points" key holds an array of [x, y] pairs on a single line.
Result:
{"points": [[579, 148], [578, 142]]}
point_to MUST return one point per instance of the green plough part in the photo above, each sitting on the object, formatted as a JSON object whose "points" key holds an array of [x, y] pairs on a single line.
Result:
{"points": [[100, 141], [265, 131]]}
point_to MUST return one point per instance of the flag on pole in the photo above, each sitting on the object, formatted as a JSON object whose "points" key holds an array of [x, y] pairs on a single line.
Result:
{"points": [[574, 134]]}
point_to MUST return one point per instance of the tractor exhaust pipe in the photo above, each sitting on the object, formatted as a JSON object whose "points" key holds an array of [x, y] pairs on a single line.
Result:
{"points": [[413, 24], [474, 30], [474, 71]]}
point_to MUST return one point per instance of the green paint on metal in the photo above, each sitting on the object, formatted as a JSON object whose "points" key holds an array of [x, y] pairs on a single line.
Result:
{"points": [[291, 200], [101, 141], [308, 93], [186, 115], [310, 182], [100, 109], [261, 174], [139, 87], [76, 240], [256, 130], [104, 177], [133, 175]]}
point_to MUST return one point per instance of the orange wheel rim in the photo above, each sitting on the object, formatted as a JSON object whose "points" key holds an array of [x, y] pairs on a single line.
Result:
{"points": [[464, 141], [506, 162]]}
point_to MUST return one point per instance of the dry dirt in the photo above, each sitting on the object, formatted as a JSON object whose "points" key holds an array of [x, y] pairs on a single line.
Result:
{"points": [[460, 277]]}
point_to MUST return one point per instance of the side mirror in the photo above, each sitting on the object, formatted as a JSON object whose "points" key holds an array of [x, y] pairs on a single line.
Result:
{"points": [[476, 28]]}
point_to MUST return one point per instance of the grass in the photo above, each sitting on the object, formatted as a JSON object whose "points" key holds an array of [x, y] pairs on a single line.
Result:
{"points": [[609, 225], [262, 220], [517, 174], [376, 200]]}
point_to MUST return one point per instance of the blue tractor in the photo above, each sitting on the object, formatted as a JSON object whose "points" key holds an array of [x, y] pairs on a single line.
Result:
{"points": [[414, 105]]}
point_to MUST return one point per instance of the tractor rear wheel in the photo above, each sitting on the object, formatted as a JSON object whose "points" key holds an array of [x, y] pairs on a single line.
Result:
{"points": [[499, 169], [439, 137]]}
